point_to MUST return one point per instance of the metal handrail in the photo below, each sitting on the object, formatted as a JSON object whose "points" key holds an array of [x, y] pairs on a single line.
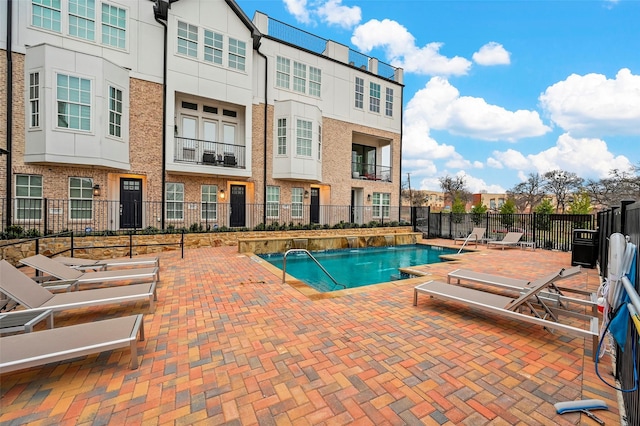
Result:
{"points": [[284, 265]]}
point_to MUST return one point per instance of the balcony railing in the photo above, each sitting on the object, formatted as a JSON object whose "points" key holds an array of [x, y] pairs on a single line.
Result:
{"points": [[370, 172], [209, 153]]}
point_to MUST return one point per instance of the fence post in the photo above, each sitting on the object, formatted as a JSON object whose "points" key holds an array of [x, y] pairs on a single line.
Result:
{"points": [[182, 245], [46, 216], [623, 215], [130, 244], [533, 228], [72, 244]]}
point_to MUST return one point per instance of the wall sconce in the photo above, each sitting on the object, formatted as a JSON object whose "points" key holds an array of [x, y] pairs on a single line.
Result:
{"points": [[306, 194], [369, 197], [96, 190], [222, 195]]}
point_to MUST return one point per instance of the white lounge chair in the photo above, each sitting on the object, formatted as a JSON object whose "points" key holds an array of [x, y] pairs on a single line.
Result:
{"points": [[29, 294], [61, 272], [59, 344], [512, 239], [106, 264], [476, 235]]}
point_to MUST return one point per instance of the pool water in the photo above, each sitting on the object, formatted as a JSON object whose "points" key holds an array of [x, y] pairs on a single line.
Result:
{"points": [[357, 267]]}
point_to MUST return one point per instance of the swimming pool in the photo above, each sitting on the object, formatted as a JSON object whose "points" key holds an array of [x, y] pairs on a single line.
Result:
{"points": [[357, 267]]}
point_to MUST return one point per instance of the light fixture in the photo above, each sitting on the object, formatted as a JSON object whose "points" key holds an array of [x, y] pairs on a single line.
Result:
{"points": [[222, 194], [306, 194], [96, 190], [368, 197]]}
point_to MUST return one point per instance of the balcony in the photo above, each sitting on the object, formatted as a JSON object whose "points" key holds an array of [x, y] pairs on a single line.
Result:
{"points": [[370, 172], [207, 153]]}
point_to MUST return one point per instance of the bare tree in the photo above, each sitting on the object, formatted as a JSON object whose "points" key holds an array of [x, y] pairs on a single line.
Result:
{"points": [[528, 194], [562, 184], [454, 188], [619, 185]]}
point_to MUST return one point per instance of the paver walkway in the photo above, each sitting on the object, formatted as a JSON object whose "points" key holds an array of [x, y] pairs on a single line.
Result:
{"points": [[230, 344]]}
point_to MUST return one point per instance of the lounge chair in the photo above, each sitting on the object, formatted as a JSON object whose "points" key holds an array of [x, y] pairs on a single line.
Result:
{"points": [[476, 235], [556, 294], [29, 294], [510, 240], [61, 272], [529, 301], [105, 264], [59, 344]]}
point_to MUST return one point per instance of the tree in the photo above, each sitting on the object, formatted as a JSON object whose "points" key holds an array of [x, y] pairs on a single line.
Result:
{"points": [[478, 213], [581, 203], [458, 210], [527, 194], [543, 211], [507, 211], [561, 184], [454, 187], [619, 185]]}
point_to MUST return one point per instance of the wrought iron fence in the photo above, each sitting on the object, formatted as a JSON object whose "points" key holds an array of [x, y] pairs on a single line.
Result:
{"points": [[209, 153], [35, 217]]}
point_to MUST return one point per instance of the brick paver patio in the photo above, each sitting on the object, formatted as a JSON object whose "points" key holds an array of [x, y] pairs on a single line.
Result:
{"points": [[230, 344]]}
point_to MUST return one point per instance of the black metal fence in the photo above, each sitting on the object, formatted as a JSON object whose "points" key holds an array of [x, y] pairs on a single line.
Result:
{"points": [[35, 217], [626, 220], [548, 231]]}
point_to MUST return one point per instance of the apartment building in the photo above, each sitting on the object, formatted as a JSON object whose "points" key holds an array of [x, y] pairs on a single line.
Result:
{"points": [[195, 107]]}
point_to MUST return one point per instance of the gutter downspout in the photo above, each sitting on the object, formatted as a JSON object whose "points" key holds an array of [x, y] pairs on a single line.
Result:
{"points": [[164, 114], [9, 110], [266, 109], [401, 133]]}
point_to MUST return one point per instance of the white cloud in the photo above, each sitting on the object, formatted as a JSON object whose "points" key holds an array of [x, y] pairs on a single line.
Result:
{"points": [[334, 13], [476, 185], [494, 164], [592, 105], [401, 51], [492, 53], [587, 157], [441, 106], [298, 8]]}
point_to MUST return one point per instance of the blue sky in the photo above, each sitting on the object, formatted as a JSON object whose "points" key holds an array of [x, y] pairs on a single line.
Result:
{"points": [[496, 90]]}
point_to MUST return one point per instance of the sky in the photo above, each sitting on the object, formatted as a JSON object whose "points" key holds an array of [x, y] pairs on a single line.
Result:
{"points": [[497, 90]]}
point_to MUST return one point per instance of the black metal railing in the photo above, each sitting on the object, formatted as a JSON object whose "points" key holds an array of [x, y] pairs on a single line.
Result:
{"points": [[209, 153], [370, 171]]}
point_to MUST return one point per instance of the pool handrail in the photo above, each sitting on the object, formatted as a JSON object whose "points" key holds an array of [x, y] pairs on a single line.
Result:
{"points": [[284, 265]]}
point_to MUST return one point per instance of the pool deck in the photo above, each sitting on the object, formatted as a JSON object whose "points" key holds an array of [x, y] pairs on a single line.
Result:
{"points": [[229, 343]]}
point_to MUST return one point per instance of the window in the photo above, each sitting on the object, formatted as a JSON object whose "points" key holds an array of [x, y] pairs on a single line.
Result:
{"points": [[359, 93], [283, 72], [303, 137], [213, 47], [315, 80], [273, 201], [296, 202], [34, 100], [209, 202], [299, 77], [82, 15], [175, 201], [46, 14], [74, 102], [381, 202], [237, 54], [81, 198], [282, 136], [115, 112], [187, 39], [114, 26], [28, 197], [374, 97], [388, 106]]}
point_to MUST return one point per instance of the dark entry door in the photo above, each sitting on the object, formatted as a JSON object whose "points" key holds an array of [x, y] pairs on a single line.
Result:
{"points": [[238, 204], [315, 205], [130, 203]]}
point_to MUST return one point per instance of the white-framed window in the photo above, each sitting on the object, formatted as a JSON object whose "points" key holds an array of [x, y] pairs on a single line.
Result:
{"points": [[46, 14], [283, 72], [380, 204], [319, 142], [273, 202], [237, 54], [297, 195], [359, 93], [34, 100], [82, 19], [374, 97], [213, 45], [304, 137], [115, 112], [209, 199], [187, 39], [28, 197], [388, 105], [282, 136], [315, 81], [114, 26], [80, 198], [74, 102], [175, 201], [299, 77]]}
